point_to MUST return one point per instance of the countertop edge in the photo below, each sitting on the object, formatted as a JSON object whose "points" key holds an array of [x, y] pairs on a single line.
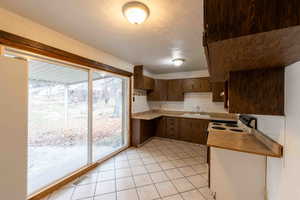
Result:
{"points": [[245, 151], [181, 116]]}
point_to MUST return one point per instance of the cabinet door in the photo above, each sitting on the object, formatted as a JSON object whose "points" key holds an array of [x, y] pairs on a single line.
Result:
{"points": [[163, 85], [148, 83], [199, 130], [185, 129], [172, 127], [197, 85], [161, 127], [188, 84], [175, 90], [159, 93], [138, 78], [193, 130], [204, 85], [259, 91], [217, 89]]}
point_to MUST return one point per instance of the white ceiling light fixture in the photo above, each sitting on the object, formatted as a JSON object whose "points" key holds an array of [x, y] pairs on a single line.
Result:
{"points": [[135, 12], [178, 62]]}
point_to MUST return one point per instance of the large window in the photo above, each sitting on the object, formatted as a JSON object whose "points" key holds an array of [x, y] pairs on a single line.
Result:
{"points": [[108, 114], [76, 116], [58, 122]]}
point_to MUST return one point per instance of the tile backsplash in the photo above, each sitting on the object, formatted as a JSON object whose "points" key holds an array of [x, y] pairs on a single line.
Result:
{"points": [[139, 103], [192, 102]]}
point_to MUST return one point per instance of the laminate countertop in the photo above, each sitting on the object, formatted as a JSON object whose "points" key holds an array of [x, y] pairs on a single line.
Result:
{"points": [[249, 141], [150, 115]]}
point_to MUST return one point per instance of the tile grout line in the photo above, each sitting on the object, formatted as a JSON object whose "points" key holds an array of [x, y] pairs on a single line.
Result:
{"points": [[148, 152]]}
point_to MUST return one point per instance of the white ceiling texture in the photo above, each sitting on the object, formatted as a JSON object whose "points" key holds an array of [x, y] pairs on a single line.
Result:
{"points": [[174, 29]]}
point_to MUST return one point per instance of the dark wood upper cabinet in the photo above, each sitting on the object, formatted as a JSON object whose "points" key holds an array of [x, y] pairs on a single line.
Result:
{"points": [[250, 34], [140, 81], [217, 89], [175, 90], [257, 92], [197, 85], [148, 83], [159, 93], [235, 18]]}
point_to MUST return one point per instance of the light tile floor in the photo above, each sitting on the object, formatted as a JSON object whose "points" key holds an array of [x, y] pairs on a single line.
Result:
{"points": [[162, 169]]}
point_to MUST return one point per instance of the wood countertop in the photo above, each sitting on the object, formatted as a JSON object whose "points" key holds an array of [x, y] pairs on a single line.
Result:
{"points": [[150, 115], [253, 142]]}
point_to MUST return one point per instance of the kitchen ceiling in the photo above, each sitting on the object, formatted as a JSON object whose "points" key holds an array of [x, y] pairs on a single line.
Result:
{"points": [[173, 30]]}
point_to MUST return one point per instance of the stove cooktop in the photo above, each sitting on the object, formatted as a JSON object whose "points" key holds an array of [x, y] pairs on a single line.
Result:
{"points": [[225, 127]]}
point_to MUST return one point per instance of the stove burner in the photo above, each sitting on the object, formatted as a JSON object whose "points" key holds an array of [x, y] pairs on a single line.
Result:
{"points": [[236, 130], [216, 123], [231, 125], [218, 128]]}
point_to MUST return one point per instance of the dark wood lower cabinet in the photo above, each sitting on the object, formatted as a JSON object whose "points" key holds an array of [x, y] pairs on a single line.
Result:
{"points": [[190, 130], [142, 130], [193, 130], [172, 127], [160, 127]]}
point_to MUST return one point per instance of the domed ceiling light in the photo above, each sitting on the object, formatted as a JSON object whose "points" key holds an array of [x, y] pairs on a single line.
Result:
{"points": [[135, 12], [178, 62]]}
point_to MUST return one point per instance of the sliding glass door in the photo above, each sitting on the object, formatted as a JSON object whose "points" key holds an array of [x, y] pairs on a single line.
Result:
{"points": [[108, 114], [58, 122], [77, 116]]}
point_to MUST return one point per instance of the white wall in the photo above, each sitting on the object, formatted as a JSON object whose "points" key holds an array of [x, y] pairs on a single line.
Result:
{"points": [[13, 23], [283, 174]]}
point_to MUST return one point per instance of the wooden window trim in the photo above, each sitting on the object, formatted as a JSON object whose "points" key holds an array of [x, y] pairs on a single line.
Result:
{"points": [[15, 41], [18, 42]]}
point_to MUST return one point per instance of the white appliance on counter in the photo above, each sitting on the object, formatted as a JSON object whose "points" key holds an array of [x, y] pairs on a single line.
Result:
{"points": [[13, 123]]}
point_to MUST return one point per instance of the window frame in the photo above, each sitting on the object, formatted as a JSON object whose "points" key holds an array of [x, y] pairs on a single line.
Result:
{"points": [[16, 53]]}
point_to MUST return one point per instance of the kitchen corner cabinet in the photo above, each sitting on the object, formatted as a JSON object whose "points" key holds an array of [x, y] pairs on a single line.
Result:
{"points": [[142, 130], [257, 92], [159, 92], [197, 85], [140, 81]]}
